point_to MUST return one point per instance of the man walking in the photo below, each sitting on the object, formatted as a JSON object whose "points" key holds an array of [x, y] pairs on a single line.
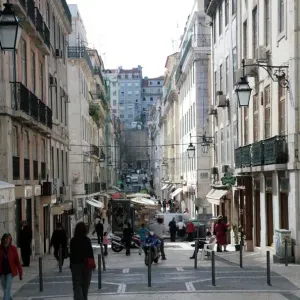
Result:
{"points": [[25, 243], [164, 204], [99, 231], [59, 239], [173, 229]]}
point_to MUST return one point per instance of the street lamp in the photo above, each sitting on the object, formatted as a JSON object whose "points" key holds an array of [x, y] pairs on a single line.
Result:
{"points": [[243, 92], [191, 150], [110, 165], [102, 160], [164, 164], [206, 142]]}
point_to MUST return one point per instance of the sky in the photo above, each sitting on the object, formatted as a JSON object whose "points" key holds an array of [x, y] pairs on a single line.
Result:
{"points": [[129, 33]]}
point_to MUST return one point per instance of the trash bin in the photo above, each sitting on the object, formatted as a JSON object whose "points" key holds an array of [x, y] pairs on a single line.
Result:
{"points": [[282, 235]]}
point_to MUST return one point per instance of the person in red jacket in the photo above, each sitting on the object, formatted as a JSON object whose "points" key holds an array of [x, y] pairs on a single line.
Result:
{"points": [[10, 265], [190, 229]]}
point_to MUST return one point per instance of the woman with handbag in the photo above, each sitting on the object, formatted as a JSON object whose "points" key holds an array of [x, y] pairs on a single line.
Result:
{"points": [[82, 262]]}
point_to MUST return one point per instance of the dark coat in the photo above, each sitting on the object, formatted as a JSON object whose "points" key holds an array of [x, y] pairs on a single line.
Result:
{"points": [[25, 237], [80, 249], [99, 228], [127, 234], [59, 238]]}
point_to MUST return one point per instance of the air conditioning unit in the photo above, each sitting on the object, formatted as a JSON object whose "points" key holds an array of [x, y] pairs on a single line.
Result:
{"points": [[261, 54], [238, 76], [221, 100], [214, 171], [251, 70], [58, 53], [225, 168], [212, 111]]}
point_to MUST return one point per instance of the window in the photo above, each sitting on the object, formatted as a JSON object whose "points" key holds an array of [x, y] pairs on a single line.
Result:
{"points": [[216, 86], [121, 116], [226, 12], [54, 32], [24, 61], [114, 93], [221, 77], [57, 162], [228, 144], [43, 150], [62, 166], [220, 19], [234, 63], [216, 148], [215, 29], [254, 31], [281, 16], [33, 72], [26, 144], [281, 98], [267, 101], [48, 15], [267, 22], [52, 161], [114, 102], [246, 126], [235, 140], [245, 39], [41, 81], [129, 83], [233, 3], [222, 147], [256, 118], [114, 84], [151, 98], [150, 82], [227, 74], [35, 148], [144, 99], [15, 137]]}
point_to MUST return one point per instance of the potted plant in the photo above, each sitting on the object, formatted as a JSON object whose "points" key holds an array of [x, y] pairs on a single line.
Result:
{"points": [[235, 230]]}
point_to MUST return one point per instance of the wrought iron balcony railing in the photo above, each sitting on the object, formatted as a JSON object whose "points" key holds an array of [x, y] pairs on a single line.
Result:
{"points": [[31, 10], [275, 150], [75, 52], [258, 154], [246, 156]]}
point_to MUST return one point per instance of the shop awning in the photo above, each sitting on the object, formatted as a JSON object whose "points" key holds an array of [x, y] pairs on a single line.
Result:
{"points": [[172, 188], [178, 191], [215, 196], [164, 187], [138, 195], [143, 201], [95, 203]]}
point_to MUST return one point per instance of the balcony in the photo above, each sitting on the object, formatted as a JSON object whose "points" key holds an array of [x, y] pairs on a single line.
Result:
{"points": [[35, 170], [46, 35], [26, 169], [16, 167], [92, 188], [97, 71], [210, 6], [267, 152], [30, 109], [43, 171], [80, 53], [67, 10], [95, 150]]}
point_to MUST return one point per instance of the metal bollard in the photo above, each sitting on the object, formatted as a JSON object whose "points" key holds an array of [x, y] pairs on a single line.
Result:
{"points": [[60, 258], [149, 266], [99, 272], [241, 254], [213, 268], [268, 269], [286, 253], [41, 274], [103, 259]]}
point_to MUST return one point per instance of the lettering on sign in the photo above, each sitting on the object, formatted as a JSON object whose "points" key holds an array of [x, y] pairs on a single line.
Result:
{"points": [[204, 175]]}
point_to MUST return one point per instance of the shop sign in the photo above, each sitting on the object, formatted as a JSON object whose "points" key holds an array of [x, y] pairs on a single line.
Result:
{"points": [[228, 179]]}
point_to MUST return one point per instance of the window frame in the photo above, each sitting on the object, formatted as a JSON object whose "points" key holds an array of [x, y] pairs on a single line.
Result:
{"points": [[267, 108]]}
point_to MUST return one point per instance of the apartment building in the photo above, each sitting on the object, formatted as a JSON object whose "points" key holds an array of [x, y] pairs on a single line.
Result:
{"points": [[88, 116], [33, 123], [151, 92], [265, 198], [191, 79]]}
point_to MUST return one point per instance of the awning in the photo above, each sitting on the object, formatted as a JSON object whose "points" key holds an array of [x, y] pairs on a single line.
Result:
{"points": [[171, 188], [95, 203], [215, 196], [104, 195], [143, 201], [164, 187], [178, 191], [138, 195]]}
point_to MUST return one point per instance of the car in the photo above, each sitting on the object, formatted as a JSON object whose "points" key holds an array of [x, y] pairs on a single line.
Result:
{"points": [[134, 179]]}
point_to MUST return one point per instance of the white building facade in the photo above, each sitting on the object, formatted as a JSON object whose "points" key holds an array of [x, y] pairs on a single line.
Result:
{"points": [[264, 135]]}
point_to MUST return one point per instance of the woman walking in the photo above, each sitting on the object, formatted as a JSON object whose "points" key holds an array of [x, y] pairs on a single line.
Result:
{"points": [[10, 265], [220, 230], [82, 262]]}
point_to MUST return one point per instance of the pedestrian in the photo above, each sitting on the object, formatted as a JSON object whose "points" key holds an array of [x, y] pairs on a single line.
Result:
{"points": [[143, 235], [158, 228], [173, 229], [25, 243], [59, 240], [82, 262], [105, 242], [96, 221], [10, 265], [190, 229], [181, 229], [164, 204], [103, 215], [220, 230], [210, 239], [99, 231], [127, 236]]}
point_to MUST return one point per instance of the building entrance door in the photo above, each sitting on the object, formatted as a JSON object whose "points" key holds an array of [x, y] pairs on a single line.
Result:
{"points": [[257, 219], [269, 218]]}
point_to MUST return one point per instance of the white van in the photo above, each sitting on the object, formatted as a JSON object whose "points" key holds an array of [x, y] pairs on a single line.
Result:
{"points": [[168, 217]]}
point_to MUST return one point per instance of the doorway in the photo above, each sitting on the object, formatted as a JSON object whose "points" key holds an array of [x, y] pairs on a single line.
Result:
{"points": [[284, 211], [28, 210], [18, 216], [46, 215], [269, 218], [257, 219]]}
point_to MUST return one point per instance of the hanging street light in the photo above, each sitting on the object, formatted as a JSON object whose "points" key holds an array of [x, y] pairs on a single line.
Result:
{"points": [[10, 29], [191, 150], [102, 160], [110, 165], [243, 92], [164, 164]]}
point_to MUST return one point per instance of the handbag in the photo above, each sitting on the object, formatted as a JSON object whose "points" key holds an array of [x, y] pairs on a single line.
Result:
{"points": [[89, 263]]}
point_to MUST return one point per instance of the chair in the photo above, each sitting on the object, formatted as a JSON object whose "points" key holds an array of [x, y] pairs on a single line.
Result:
{"points": [[208, 248]]}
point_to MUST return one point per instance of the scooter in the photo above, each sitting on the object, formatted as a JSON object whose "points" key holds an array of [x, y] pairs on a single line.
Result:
{"points": [[153, 244], [117, 244]]}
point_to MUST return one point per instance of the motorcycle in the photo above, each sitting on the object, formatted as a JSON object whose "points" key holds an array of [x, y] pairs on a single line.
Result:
{"points": [[153, 243], [117, 243]]}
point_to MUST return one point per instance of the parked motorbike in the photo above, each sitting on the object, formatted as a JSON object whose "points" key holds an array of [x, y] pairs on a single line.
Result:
{"points": [[153, 244], [117, 243]]}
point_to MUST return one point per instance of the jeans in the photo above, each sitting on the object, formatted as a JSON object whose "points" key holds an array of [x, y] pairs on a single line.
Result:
{"points": [[162, 249], [6, 281], [81, 279], [56, 255], [142, 244]]}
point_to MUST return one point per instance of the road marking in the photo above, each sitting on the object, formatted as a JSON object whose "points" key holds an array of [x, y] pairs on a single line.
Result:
{"points": [[179, 269], [121, 288], [190, 287], [235, 277], [125, 271]]}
